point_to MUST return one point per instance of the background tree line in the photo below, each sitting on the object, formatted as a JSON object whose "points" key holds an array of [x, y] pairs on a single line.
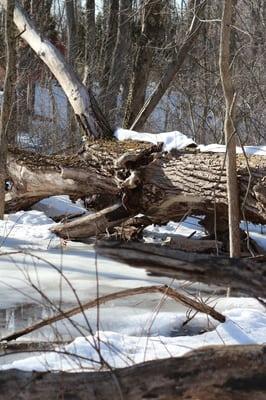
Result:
{"points": [[122, 49]]}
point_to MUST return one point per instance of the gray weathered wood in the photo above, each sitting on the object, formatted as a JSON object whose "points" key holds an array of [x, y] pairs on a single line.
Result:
{"points": [[165, 186], [243, 276], [212, 373]]}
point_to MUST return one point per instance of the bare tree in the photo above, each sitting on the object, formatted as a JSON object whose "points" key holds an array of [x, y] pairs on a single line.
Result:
{"points": [[81, 99], [6, 110], [229, 131], [120, 61], [72, 46], [151, 23], [90, 38], [109, 45], [172, 68]]}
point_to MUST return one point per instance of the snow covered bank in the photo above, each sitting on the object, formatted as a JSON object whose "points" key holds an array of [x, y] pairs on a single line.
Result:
{"points": [[130, 331], [27, 230], [245, 324]]}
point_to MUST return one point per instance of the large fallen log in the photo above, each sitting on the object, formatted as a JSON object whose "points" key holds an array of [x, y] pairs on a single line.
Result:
{"points": [[159, 185], [220, 373], [242, 276]]}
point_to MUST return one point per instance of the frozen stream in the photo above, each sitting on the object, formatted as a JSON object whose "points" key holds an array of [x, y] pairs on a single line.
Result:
{"points": [[39, 273], [30, 281]]}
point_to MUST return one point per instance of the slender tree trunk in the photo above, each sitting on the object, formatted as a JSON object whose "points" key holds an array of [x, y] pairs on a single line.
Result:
{"points": [[72, 46], [7, 105], [25, 71], [120, 59], [172, 68], [110, 42], [72, 54], [90, 43], [151, 15], [229, 131]]}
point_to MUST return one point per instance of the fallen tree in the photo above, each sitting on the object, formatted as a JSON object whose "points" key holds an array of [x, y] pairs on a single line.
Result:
{"points": [[143, 180], [222, 373], [242, 276]]}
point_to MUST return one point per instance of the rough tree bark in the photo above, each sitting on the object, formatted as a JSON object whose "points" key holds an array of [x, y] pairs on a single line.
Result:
{"points": [[89, 42], [221, 373], [172, 68], [161, 186], [109, 46], [151, 23], [230, 131], [8, 98], [72, 44], [243, 276], [82, 100], [120, 59]]}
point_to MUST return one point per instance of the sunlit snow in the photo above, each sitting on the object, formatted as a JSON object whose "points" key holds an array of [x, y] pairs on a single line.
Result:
{"points": [[131, 330]]}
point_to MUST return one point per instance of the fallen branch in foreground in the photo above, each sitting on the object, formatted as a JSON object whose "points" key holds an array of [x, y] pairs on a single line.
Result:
{"points": [[165, 290], [220, 373], [28, 346], [243, 276]]}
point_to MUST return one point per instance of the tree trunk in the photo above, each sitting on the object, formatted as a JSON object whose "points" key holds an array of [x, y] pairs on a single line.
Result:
{"points": [[90, 40], [72, 56], [8, 99], [151, 21], [120, 60], [243, 276], [109, 47], [230, 131], [161, 186], [222, 373], [82, 101], [72, 45], [171, 70]]}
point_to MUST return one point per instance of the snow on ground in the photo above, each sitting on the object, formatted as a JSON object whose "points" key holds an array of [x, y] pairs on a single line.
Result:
{"points": [[31, 229], [219, 148], [27, 230], [179, 141], [59, 206], [190, 226], [242, 326], [131, 330]]}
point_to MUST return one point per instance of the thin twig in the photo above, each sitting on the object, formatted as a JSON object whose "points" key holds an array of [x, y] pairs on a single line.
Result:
{"points": [[173, 294]]}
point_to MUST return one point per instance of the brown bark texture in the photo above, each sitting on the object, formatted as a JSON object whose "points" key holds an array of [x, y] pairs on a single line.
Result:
{"points": [[8, 98], [243, 276], [161, 186], [109, 45], [212, 373], [171, 70], [120, 60], [152, 11]]}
